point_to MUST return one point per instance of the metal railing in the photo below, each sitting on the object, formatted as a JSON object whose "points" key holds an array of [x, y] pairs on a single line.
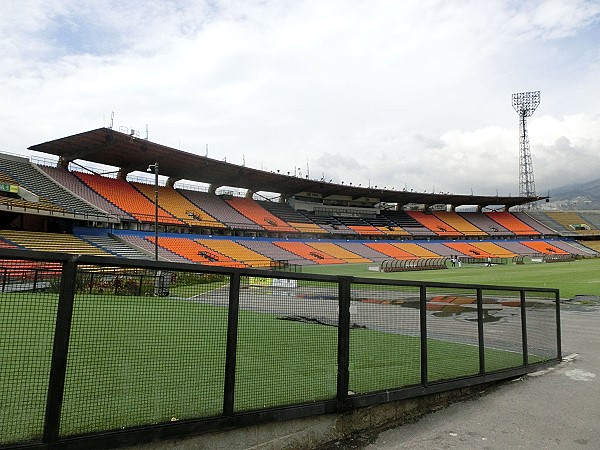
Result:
{"points": [[108, 351]]}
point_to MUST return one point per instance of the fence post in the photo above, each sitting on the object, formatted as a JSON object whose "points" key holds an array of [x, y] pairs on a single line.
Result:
{"points": [[140, 288], [58, 365], [558, 330], [343, 375], [4, 278], [91, 282], [524, 329], [480, 331], [35, 277], [423, 329], [232, 333]]}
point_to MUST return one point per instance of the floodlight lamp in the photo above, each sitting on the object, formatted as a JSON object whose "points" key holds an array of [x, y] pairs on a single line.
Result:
{"points": [[525, 103]]}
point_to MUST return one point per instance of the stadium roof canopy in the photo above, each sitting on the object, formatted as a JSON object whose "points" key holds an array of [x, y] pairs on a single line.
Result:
{"points": [[130, 153]]}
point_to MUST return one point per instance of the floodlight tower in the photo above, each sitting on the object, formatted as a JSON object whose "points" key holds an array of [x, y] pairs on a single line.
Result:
{"points": [[525, 104]]}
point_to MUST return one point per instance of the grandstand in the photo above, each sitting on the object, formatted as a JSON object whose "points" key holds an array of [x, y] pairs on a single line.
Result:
{"points": [[68, 206]]}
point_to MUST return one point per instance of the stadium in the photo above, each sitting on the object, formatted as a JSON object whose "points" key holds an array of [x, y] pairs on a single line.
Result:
{"points": [[244, 217], [132, 270]]}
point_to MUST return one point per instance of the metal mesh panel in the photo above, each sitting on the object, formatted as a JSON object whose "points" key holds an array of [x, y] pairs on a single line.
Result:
{"points": [[452, 344], [287, 343], [146, 347], [385, 341], [503, 339], [28, 305], [541, 326]]}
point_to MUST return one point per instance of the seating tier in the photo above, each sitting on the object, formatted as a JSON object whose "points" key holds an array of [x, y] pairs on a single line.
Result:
{"points": [[127, 198]]}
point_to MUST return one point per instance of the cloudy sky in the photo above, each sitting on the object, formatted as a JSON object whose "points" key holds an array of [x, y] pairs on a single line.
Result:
{"points": [[413, 93]]}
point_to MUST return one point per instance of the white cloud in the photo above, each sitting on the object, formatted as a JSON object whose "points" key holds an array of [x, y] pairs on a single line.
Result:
{"points": [[413, 93]]}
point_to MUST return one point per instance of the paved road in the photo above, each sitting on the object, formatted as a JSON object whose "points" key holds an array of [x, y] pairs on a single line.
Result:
{"points": [[555, 409], [558, 408]]}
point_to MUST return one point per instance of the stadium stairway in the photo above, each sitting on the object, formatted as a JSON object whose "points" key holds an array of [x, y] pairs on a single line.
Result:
{"points": [[144, 246], [220, 210], [486, 224], [575, 248], [114, 246], [524, 217], [549, 222]]}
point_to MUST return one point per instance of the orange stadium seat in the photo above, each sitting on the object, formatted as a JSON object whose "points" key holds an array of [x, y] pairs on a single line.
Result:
{"points": [[126, 197], [306, 227], [468, 249], [459, 223], [436, 225], [494, 250], [192, 250], [393, 231], [416, 250], [338, 252], [236, 251], [544, 247], [308, 252], [256, 213], [365, 229], [390, 250], [511, 223], [179, 206]]}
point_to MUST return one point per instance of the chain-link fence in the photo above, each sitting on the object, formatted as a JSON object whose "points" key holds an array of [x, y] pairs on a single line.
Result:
{"points": [[92, 345]]}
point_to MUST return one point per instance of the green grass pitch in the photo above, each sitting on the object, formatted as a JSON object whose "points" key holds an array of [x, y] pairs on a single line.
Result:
{"points": [[580, 277]]}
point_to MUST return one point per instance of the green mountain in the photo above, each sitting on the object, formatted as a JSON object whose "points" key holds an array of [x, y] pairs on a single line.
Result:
{"points": [[577, 196]]}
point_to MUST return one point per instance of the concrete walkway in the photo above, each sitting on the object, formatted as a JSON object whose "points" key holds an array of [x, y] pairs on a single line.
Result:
{"points": [[555, 409]]}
